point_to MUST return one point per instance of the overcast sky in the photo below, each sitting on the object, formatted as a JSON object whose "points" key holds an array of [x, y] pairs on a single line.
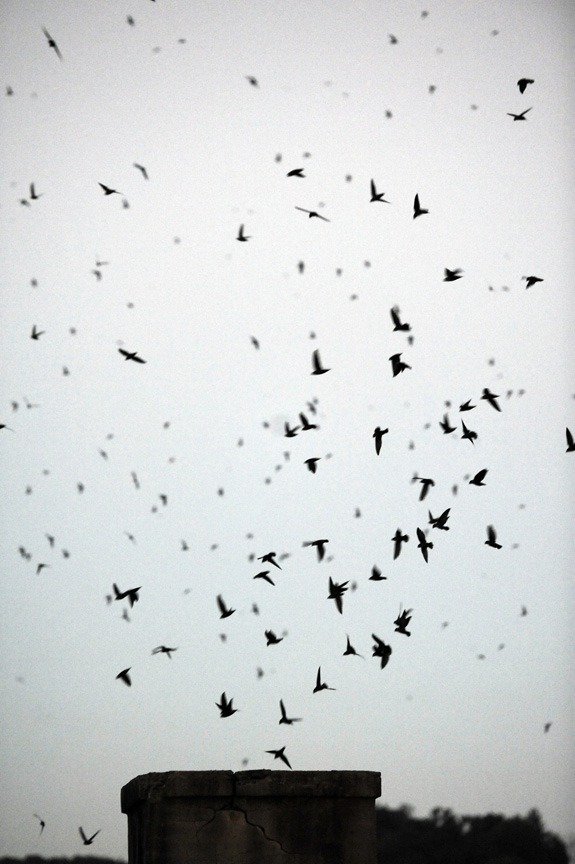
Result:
{"points": [[227, 330]]}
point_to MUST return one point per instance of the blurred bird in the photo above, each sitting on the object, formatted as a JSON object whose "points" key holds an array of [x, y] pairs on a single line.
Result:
{"points": [[312, 213], [381, 650], [398, 539], [377, 196], [52, 43], [290, 431], [440, 521], [418, 210], [109, 191], [265, 575], [519, 116], [279, 754], [131, 355], [402, 621], [570, 441], [40, 567], [225, 706], [336, 592], [35, 334], [426, 484], [123, 676], [33, 194], [349, 649], [225, 611], [142, 170], [397, 323], [269, 558], [446, 426], [547, 727], [306, 426], [423, 544], [272, 639], [295, 172], [452, 275], [241, 236], [87, 841], [376, 575], [319, 545], [318, 369], [492, 538], [284, 718], [42, 823], [163, 649], [531, 280], [131, 594], [469, 434], [312, 463], [378, 435], [319, 684], [392, 39], [478, 479], [253, 81], [397, 365], [523, 82], [491, 398]]}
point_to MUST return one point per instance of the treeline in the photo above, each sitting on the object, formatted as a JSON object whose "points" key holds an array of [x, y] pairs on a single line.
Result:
{"points": [[445, 838]]}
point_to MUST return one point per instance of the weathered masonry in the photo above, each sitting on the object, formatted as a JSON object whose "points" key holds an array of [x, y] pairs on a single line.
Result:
{"points": [[252, 817]]}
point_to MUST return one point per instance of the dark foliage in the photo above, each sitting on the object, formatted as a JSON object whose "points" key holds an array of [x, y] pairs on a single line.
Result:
{"points": [[445, 838]]}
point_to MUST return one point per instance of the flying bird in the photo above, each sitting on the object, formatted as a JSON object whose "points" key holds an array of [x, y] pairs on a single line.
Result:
{"points": [[523, 82], [318, 369], [42, 823], [519, 116], [131, 355], [397, 323], [377, 196], [108, 190], [468, 433], [312, 463], [280, 754], [40, 567], [402, 621], [33, 194], [241, 236], [35, 334], [378, 435], [570, 441], [452, 275], [306, 426], [87, 841], [398, 539], [446, 426], [466, 406], [313, 213], [123, 676], [225, 706], [440, 521], [349, 649], [284, 718], [492, 538], [225, 611], [253, 81], [319, 545], [265, 575], [531, 280], [397, 365], [163, 649], [376, 575], [295, 172], [418, 210], [491, 398], [336, 592], [478, 479], [269, 558], [142, 170], [131, 594], [319, 684], [423, 544], [290, 431], [426, 484], [52, 43], [381, 650], [271, 638]]}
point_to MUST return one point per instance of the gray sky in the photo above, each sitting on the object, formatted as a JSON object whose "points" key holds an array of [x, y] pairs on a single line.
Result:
{"points": [[170, 93]]}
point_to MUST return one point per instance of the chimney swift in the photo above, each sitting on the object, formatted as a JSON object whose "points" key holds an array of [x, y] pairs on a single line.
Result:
{"points": [[531, 280], [280, 754], [446, 426], [319, 545], [378, 435], [163, 649], [376, 575], [349, 649], [377, 196], [272, 639], [295, 172], [523, 82], [381, 650], [318, 369], [306, 426], [52, 43], [423, 544], [109, 191], [519, 116], [269, 558], [397, 365], [312, 463], [123, 676], [312, 213], [225, 611], [142, 170], [336, 592], [131, 594], [319, 684], [397, 323], [452, 275], [131, 355], [426, 484], [398, 538], [241, 236], [478, 479], [440, 521], [417, 209], [87, 841], [491, 398], [402, 621], [284, 718], [225, 706], [570, 441], [35, 334], [492, 538], [265, 575]]}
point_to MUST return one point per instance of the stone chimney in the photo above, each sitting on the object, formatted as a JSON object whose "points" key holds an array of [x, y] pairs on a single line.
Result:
{"points": [[252, 817]]}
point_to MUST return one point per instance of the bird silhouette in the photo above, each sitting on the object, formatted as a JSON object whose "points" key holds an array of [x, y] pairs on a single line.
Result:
{"points": [[491, 398], [312, 463], [108, 190], [52, 43], [349, 649], [131, 355], [381, 650], [397, 365], [336, 592], [290, 431], [123, 676], [265, 575], [466, 406], [398, 539], [280, 754], [570, 441], [376, 574], [423, 544], [42, 823], [306, 426], [426, 484], [318, 369], [402, 621], [492, 538], [446, 426], [377, 196], [523, 82], [241, 236], [478, 479], [40, 567], [519, 116], [531, 280], [163, 649], [131, 594], [284, 718], [319, 545], [295, 172], [225, 611], [142, 170], [35, 334], [452, 275], [378, 435], [469, 434], [319, 684], [87, 841], [271, 638], [269, 558], [225, 706], [313, 213], [33, 194], [397, 323], [440, 521], [547, 727], [418, 210]]}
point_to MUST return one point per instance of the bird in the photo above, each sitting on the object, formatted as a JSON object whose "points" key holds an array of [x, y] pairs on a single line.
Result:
{"points": [[423, 544], [378, 435], [108, 190], [319, 684], [312, 463], [376, 575], [492, 538], [131, 355], [241, 236], [295, 172], [271, 638], [42, 823], [349, 649], [87, 841], [418, 210], [523, 82], [306, 426], [531, 280], [313, 213], [319, 545], [253, 81], [280, 754], [225, 611], [397, 365], [290, 431], [452, 275], [226, 706], [318, 369], [336, 592], [142, 170], [426, 484], [33, 194], [265, 575], [35, 334], [469, 434], [123, 676], [547, 727], [40, 567], [163, 649], [402, 621], [392, 39], [284, 718], [398, 539], [52, 43], [519, 116], [4, 426], [381, 650], [440, 521], [478, 479], [446, 426], [269, 558], [491, 398], [397, 323], [131, 594], [377, 196], [570, 441], [466, 406]]}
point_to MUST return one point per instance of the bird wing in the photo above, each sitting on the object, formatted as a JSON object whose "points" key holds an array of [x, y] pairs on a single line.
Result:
{"points": [[569, 436], [82, 835], [303, 210]]}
